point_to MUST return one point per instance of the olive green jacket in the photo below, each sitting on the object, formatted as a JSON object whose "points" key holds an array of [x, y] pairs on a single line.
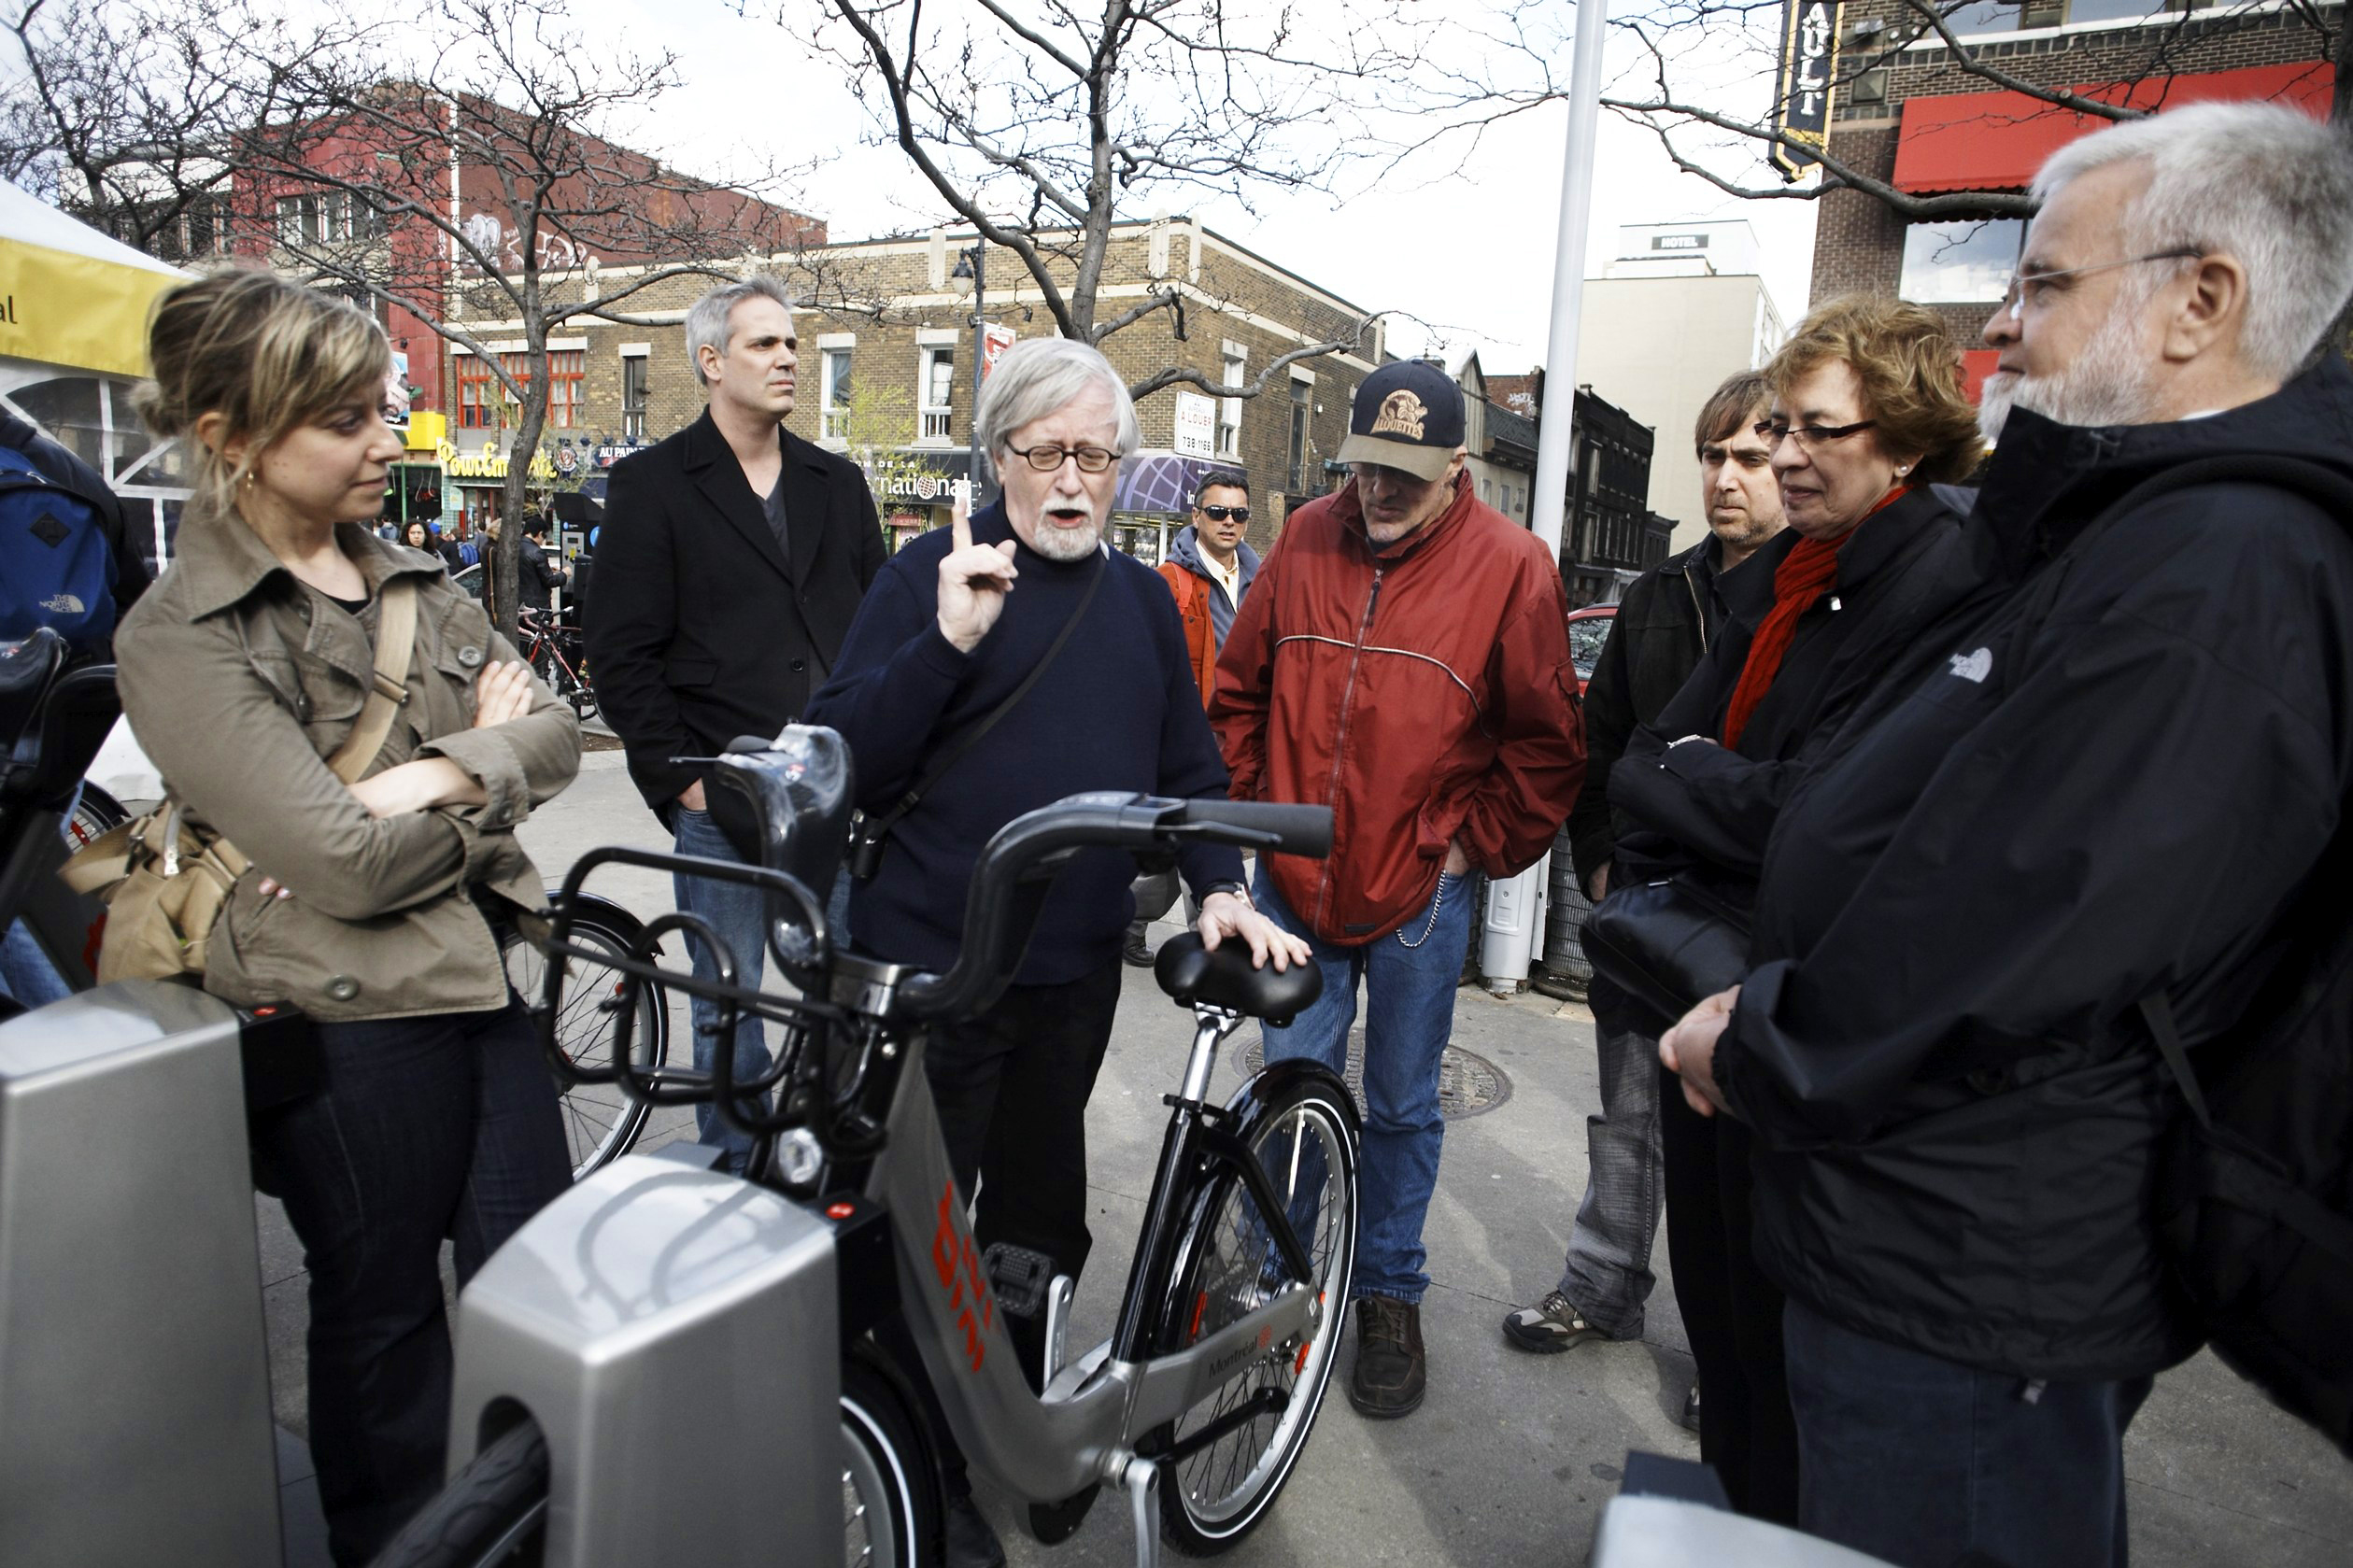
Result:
{"points": [[239, 680]]}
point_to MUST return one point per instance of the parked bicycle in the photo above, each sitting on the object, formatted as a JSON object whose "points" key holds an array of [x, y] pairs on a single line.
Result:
{"points": [[641, 1296], [557, 650]]}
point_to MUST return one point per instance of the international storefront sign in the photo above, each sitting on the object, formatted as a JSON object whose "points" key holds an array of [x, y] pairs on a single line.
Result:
{"points": [[1809, 63], [918, 478]]}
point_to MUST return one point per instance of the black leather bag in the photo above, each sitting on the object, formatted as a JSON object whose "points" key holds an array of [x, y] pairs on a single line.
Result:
{"points": [[1669, 944]]}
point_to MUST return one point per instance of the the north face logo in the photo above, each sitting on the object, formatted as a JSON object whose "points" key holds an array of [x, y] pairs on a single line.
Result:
{"points": [[1401, 414], [1974, 666], [63, 604]]}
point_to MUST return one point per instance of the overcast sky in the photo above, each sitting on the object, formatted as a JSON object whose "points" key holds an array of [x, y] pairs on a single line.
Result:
{"points": [[1472, 252]]}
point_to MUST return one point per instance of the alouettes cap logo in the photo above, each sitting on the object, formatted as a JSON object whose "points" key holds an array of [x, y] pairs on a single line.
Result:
{"points": [[1401, 414]]}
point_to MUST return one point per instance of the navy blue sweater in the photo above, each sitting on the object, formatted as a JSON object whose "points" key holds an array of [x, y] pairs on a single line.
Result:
{"points": [[1117, 710]]}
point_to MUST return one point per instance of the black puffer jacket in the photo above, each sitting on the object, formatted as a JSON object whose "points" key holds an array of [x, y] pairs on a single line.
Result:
{"points": [[1658, 637], [2085, 789]]}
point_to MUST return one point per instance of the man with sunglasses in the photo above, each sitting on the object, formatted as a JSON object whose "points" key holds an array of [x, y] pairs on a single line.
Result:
{"points": [[1209, 569], [1403, 659]]}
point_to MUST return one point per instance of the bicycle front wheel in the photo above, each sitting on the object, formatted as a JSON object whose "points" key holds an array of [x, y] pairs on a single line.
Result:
{"points": [[601, 1122], [1299, 1123]]}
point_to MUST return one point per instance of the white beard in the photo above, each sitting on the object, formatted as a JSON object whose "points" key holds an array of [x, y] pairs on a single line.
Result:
{"points": [[1065, 544], [2107, 383]]}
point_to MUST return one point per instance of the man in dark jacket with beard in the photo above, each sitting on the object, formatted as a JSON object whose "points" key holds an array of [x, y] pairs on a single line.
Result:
{"points": [[1664, 625], [2103, 778]]}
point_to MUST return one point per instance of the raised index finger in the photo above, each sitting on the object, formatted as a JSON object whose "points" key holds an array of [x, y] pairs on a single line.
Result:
{"points": [[960, 516]]}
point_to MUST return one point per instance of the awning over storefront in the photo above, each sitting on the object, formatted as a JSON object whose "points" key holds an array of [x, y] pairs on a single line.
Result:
{"points": [[1996, 141]]}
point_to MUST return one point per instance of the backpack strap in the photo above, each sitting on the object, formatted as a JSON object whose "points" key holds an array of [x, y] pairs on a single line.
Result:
{"points": [[395, 643]]}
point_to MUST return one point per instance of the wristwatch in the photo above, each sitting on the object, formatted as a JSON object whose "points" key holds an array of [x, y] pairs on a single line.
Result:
{"points": [[1237, 889]]}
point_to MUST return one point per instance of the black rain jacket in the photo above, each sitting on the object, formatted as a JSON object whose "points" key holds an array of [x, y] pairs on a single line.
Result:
{"points": [[1661, 632], [1903, 566], [2083, 788]]}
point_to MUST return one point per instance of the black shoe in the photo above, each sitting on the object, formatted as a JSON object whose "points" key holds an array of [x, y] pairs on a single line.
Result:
{"points": [[1552, 1325], [1136, 950], [1390, 1377], [1690, 1408], [971, 1543]]}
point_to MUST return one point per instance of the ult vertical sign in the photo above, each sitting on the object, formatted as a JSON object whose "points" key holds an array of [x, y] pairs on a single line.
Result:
{"points": [[1801, 107]]}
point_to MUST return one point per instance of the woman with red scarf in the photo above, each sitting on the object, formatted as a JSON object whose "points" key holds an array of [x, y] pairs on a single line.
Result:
{"points": [[1869, 429]]}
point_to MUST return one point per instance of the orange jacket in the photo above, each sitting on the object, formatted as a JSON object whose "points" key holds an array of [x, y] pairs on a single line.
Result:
{"points": [[1200, 640], [1424, 695]]}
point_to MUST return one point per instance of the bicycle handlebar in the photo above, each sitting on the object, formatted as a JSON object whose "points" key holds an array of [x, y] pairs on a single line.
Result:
{"points": [[1042, 839]]}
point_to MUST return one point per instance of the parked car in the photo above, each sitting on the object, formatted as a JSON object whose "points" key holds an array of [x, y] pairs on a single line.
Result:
{"points": [[1588, 629]]}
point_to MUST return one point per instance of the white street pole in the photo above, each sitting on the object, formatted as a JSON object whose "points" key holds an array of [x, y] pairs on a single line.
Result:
{"points": [[1514, 934]]}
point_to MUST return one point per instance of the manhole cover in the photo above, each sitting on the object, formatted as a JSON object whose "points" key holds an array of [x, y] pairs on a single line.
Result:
{"points": [[1467, 1084]]}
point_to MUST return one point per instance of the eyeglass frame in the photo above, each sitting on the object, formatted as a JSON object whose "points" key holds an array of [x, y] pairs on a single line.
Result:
{"points": [[1066, 454], [1219, 513], [2014, 294], [1808, 435]]}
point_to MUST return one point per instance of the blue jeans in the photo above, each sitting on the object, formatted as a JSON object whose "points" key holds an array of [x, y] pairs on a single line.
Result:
{"points": [[1608, 1270], [1918, 1460], [1409, 978], [739, 915], [444, 1125]]}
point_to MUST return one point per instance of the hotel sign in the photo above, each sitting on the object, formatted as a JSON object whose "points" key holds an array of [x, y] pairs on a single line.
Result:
{"points": [[1801, 105]]}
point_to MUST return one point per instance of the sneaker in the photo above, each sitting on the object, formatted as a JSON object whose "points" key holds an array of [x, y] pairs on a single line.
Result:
{"points": [[1552, 1326], [1391, 1373], [1690, 1408], [1136, 950]]}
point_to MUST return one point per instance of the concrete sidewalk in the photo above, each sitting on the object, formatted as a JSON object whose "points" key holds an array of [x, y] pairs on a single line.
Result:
{"points": [[1512, 1456]]}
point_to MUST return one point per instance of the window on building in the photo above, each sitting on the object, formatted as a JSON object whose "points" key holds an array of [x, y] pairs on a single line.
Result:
{"points": [[479, 395], [1982, 16], [634, 397], [297, 219], [1229, 409], [563, 389], [834, 395], [1300, 394], [1960, 263], [939, 394]]}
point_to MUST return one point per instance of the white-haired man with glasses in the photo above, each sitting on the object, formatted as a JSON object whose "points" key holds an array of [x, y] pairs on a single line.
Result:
{"points": [[931, 694], [2087, 814]]}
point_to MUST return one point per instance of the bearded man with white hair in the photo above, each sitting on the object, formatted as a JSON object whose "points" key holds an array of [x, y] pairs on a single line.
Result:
{"points": [[931, 694], [2092, 799]]}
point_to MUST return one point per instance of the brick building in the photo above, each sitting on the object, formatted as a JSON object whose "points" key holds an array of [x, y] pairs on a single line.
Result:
{"points": [[1908, 113], [885, 370]]}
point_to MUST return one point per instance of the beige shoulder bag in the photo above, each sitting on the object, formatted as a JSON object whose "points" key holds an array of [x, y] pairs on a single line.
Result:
{"points": [[164, 880]]}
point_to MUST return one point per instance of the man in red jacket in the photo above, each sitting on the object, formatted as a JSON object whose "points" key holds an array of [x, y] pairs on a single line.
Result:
{"points": [[1403, 658]]}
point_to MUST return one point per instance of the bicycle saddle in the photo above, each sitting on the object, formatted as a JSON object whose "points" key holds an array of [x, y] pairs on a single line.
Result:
{"points": [[26, 669], [52, 720], [1192, 974]]}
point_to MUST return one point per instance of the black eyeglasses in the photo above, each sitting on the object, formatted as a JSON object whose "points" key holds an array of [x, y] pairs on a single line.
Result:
{"points": [[1046, 460], [1219, 513], [1809, 436]]}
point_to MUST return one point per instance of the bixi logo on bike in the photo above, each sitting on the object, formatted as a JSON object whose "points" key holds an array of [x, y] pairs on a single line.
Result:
{"points": [[952, 1246]]}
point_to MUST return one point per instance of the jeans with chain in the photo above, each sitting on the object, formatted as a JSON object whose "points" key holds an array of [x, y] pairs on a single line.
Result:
{"points": [[1607, 1271], [1408, 977]]}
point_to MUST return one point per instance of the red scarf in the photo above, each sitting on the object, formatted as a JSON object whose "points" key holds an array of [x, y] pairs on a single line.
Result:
{"points": [[1804, 575]]}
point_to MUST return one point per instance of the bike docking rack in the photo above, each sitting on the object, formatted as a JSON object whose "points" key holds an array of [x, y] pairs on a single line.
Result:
{"points": [[692, 1345]]}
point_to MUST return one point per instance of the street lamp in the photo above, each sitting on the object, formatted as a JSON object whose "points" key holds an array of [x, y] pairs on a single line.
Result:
{"points": [[971, 265]]}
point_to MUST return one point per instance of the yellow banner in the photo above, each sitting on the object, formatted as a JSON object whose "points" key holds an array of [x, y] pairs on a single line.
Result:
{"points": [[64, 309]]}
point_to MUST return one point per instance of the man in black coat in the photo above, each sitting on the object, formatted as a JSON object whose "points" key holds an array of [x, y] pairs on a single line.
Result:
{"points": [[538, 572], [733, 557], [1664, 622], [2104, 776]]}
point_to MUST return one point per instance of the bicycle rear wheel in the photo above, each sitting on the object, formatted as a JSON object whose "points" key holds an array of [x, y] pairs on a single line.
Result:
{"points": [[601, 1122], [1301, 1125], [95, 813]]}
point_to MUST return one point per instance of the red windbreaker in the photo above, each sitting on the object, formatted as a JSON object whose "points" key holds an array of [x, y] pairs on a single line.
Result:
{"points": [[1423, 694]]}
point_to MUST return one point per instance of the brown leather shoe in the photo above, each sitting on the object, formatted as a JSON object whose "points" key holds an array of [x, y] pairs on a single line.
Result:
{"points": [[1391, 1375]]}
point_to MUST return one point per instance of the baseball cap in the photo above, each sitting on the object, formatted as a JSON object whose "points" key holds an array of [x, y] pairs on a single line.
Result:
{"points": [[1406, 416]]}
